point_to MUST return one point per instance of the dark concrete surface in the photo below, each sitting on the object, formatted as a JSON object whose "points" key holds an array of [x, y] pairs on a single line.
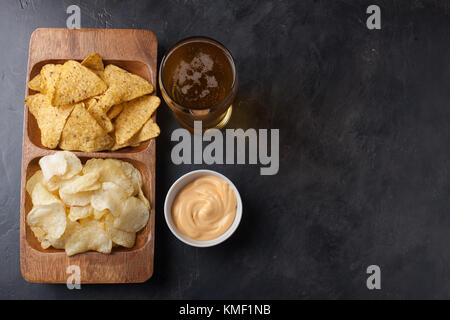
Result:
{"points": [[364, 155]]}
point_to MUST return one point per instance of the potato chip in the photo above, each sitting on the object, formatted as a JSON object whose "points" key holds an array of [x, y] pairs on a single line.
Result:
{"points": [[50, 119], [111, 197], [51, 219], [133, 117], [98, 214], [41, 196], [77, 184], [114, 111], [110, 171], [122, 238], [37, 177], [133, 217], [87, 236], [79, 199], [50, 74], [83, 133], [76, 83], [149, 130], [77, 213], [61, 164], [36, 83], [41, 236], [94, 62], [136, 178]]}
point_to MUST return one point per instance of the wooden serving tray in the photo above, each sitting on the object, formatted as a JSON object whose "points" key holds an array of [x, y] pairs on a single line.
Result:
{"points": [[135, 51]]}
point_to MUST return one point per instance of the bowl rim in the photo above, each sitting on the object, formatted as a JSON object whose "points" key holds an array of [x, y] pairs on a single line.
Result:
{"points": [[183, 181]]}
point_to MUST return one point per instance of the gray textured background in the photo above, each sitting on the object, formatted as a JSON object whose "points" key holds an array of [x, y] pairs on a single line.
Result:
{"points": [[364, 157]]}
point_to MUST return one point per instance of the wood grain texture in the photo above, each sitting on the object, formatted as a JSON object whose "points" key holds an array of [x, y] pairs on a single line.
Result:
{"points": [[135, 51]]}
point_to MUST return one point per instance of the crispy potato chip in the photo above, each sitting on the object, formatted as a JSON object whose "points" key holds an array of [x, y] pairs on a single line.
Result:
{"points": [[114, 111], [133, 117], [94, 62], [79, 199], [76, 83], [51, 219], [41, 196], [149, 130], [63, 164], [136, 178], [122, 238], [49, 77], [99, 214], [77, 184], [134, 216], [111, 197], [41, 236], [36, 83], [77, 213], [37, 177], [85, 236], [83, 133], [50, 119], [110, 171]]}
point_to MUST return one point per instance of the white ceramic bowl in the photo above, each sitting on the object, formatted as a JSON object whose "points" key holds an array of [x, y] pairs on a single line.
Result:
{"points": [[172, 193]]}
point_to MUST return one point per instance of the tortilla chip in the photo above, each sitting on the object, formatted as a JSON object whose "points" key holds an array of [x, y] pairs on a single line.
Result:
{"points": [[93, 62], [50, 75], [76, 83], [35, 83], [122, 86], [50, 119], [149, 130], [115, 111], [133, 117], [82, 132]]}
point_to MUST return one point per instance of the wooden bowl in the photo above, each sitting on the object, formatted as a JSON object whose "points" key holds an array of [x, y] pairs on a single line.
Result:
{"points": [[136, 52]]}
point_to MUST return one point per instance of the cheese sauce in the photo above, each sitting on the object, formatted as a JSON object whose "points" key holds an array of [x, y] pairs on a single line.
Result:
{"points": [[205, 208]]}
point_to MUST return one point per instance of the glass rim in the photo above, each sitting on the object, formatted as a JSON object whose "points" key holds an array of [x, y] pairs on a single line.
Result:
{"points": [[200, 39]]}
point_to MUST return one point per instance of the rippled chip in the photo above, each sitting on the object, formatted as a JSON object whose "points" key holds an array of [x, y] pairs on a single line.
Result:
{"points": [[50, 119], [76, 83], [77, 213], [149, 130], [85, 236], [122, 238], [134, 216], [36, 83], [83, 133], [50, 219], [133, 117]]}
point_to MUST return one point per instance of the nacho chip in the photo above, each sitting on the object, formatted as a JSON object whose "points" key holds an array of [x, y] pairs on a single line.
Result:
{"points": [[122, 86], [76, 83], [35, 83], [149, 130], [83, 133], [115, 111], [50, 119], [133, 117], [93, 62], [49, 77]]}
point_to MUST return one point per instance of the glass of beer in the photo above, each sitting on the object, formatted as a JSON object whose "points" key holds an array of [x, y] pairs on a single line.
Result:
{"points": [[198, 81]]}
